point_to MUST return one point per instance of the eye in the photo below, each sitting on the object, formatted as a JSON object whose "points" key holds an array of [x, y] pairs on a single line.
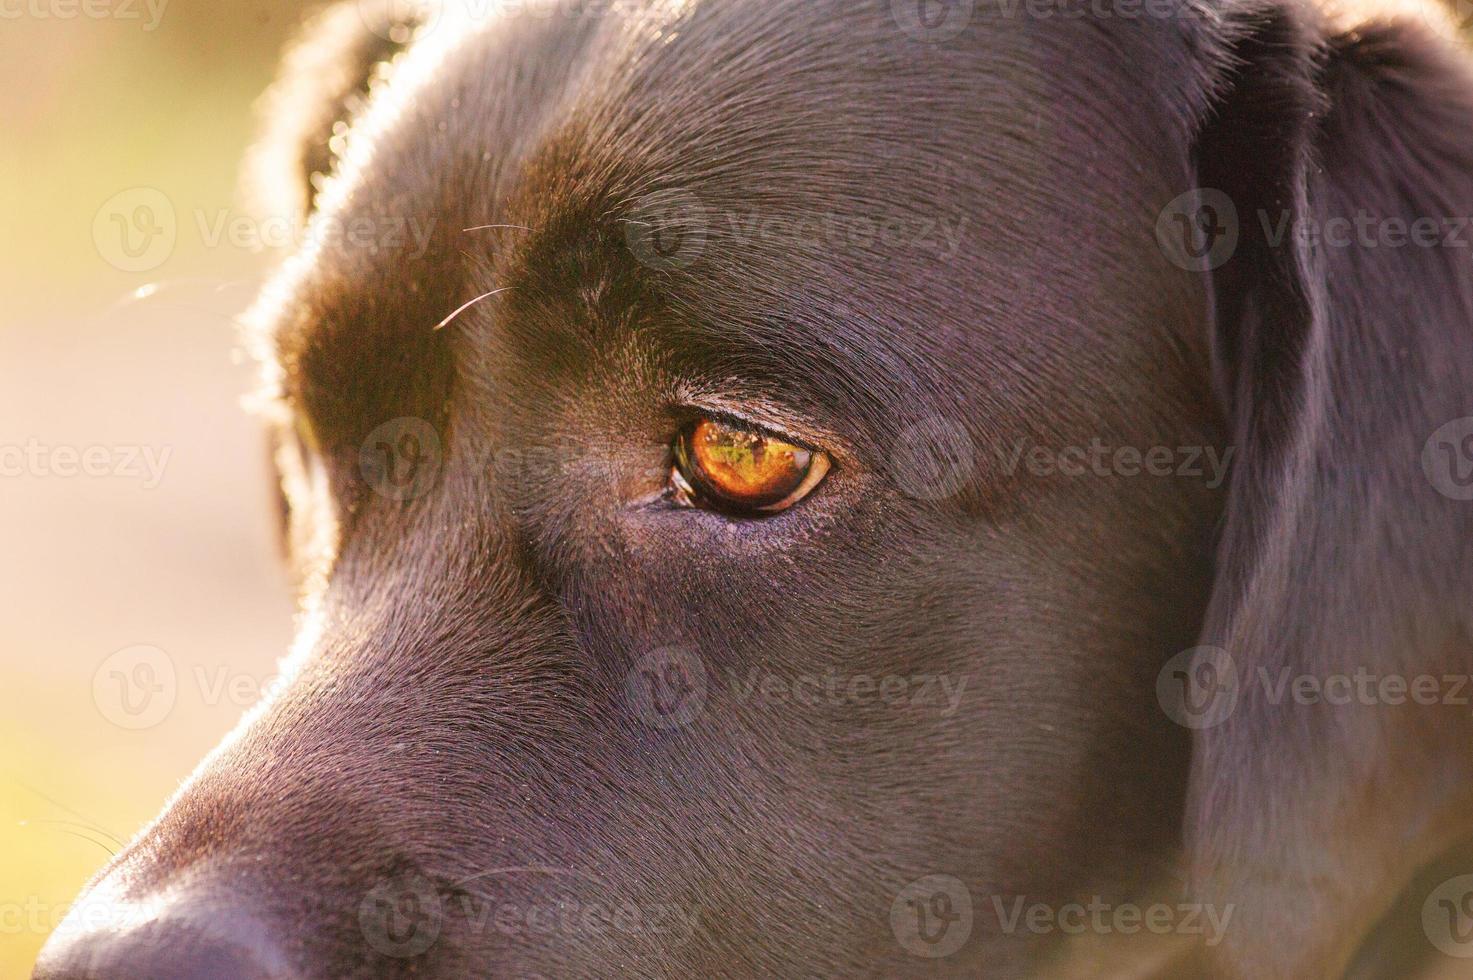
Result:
{"points": [[730, 468]]}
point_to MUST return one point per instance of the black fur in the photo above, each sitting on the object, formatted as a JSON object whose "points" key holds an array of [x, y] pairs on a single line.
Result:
{"points": [[461, 716]]}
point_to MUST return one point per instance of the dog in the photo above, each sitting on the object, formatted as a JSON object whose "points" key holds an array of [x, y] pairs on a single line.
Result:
{"points": [[867, 489]]}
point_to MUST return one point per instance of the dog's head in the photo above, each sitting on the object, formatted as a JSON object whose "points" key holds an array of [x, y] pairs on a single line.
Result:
{"points": [[780, 489]]}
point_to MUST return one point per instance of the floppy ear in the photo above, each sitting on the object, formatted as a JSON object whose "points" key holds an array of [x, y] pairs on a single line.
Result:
{"points": [[1343, 344], [326, 76]]}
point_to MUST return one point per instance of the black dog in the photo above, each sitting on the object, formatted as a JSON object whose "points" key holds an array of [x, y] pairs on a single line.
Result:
{"points": [[778, 526]]}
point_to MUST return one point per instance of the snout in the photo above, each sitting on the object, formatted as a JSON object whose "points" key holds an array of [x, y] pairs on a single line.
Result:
{"points": [[180, 937]]}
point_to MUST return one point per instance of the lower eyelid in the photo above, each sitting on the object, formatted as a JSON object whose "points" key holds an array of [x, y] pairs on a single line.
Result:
{"points": [[818, 473]]}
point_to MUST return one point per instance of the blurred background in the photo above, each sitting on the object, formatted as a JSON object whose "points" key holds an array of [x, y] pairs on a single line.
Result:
{"points": [[142, 602]]}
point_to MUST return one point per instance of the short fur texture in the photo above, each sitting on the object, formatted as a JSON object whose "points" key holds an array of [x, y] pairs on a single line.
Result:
{"points": [[460, 714]]}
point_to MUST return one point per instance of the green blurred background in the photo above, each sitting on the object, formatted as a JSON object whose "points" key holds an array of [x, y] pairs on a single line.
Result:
{"points": [[92, 107]]}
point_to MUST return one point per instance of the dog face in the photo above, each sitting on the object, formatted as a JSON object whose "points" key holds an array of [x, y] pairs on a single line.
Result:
{"points": [[718, 527]]}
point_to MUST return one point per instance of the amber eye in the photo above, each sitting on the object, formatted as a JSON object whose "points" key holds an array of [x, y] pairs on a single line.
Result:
{"points": [[726, 467]]}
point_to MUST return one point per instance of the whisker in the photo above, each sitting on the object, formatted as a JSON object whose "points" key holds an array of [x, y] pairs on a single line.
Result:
{"points": [[84, 826], [66, 826], [111, 852], [485, 227], [442, 324], [54, 802], [63, 828]]}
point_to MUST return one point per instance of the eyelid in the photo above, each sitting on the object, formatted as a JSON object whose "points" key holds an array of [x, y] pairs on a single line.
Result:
{"points": [[744, 424], [818, 471], [769, 418]]}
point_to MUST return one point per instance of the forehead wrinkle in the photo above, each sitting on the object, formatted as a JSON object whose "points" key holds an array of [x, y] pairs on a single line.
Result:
{"points": [[719, 125], [398, 152], [393, 116]]}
